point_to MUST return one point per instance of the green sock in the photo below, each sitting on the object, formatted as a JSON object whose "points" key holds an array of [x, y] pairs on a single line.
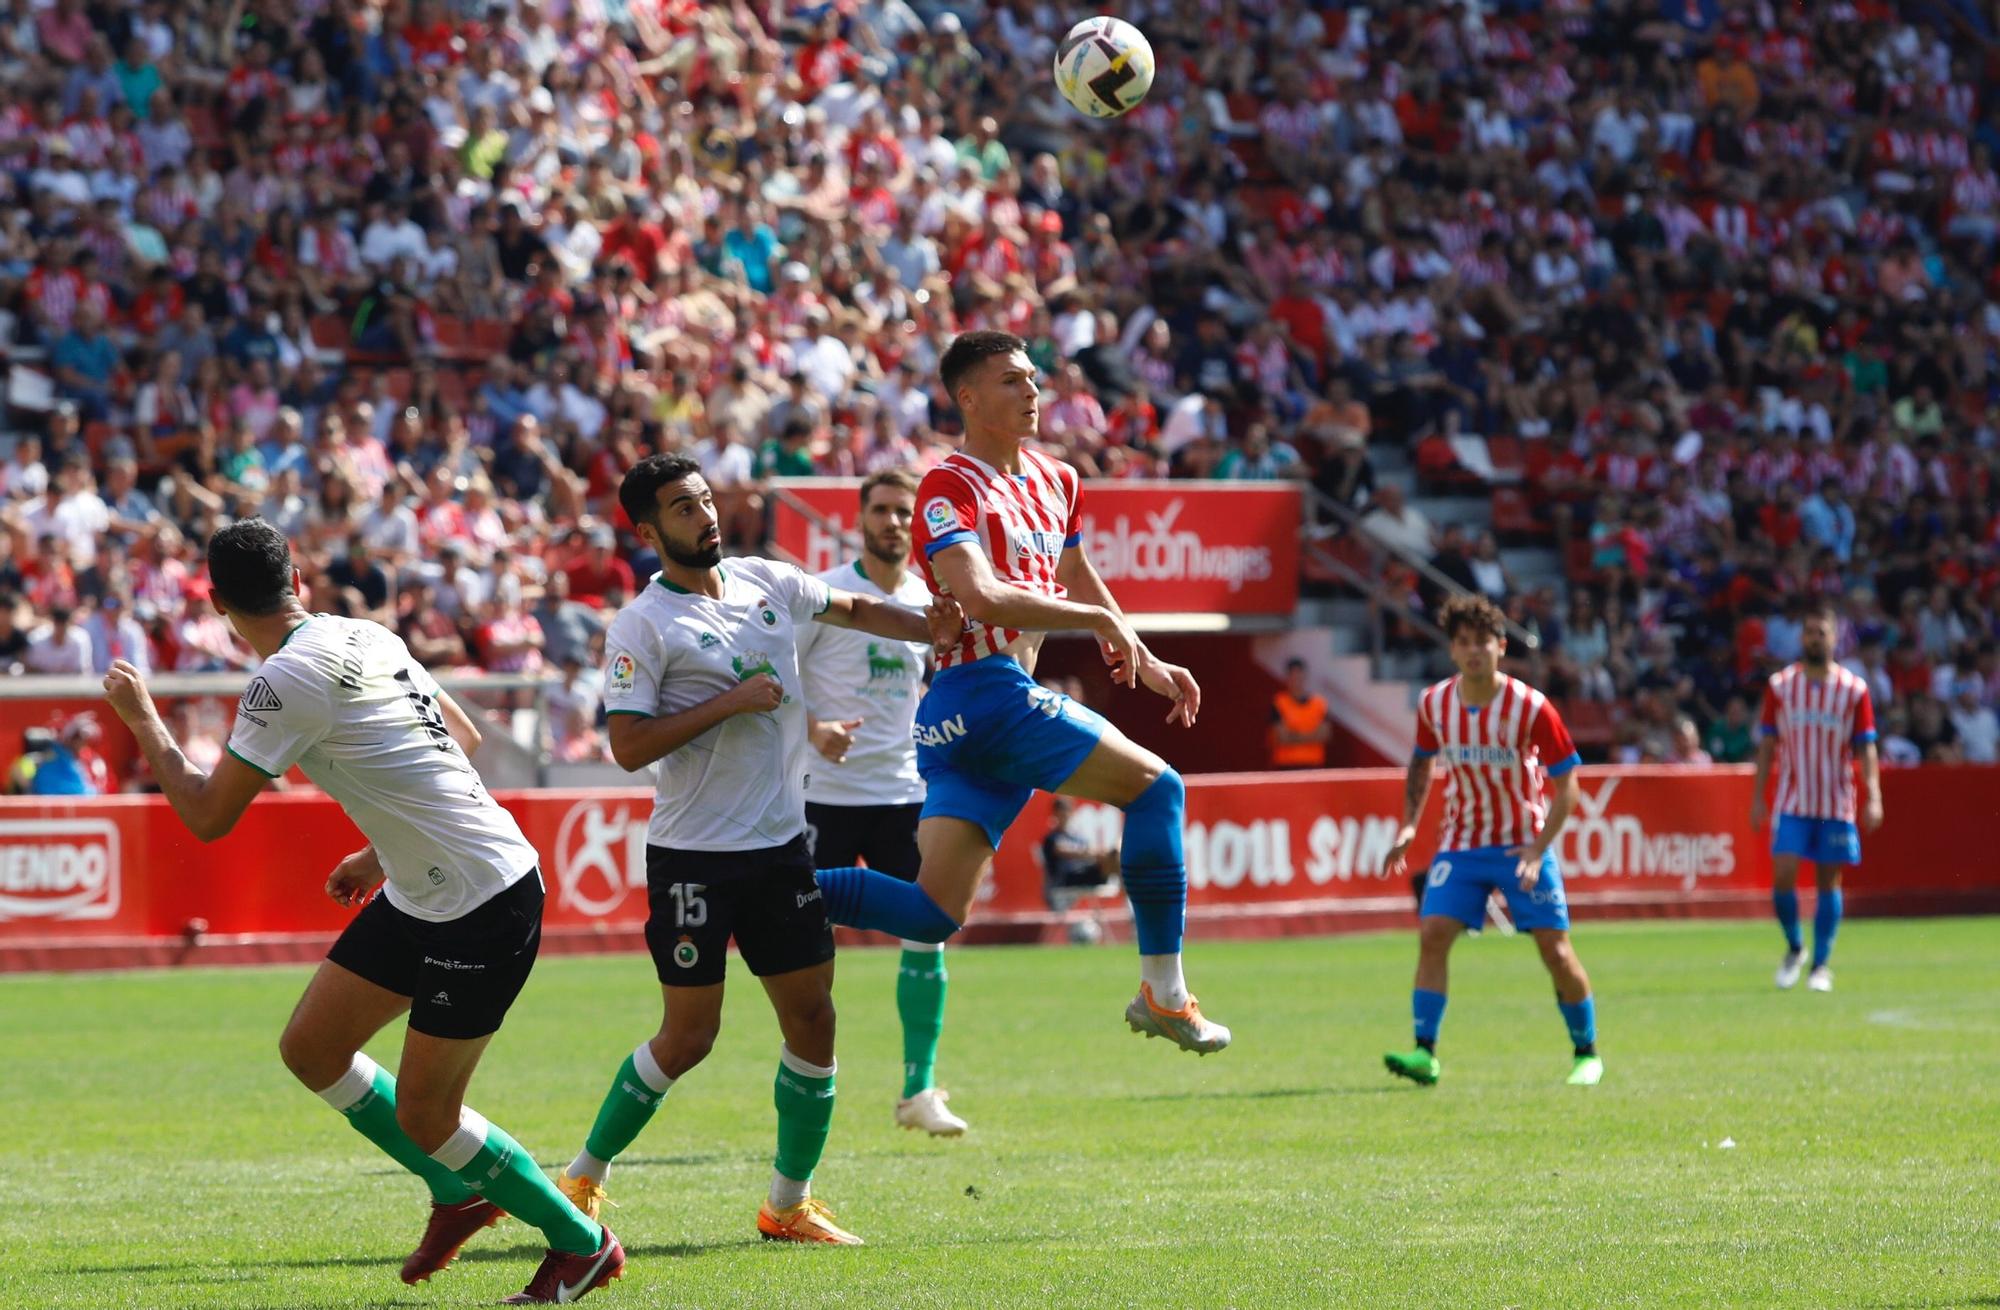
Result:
{"points": [[804, 1097], [494, 1165], [366, 1098], [628, 1107], [920, 990]]}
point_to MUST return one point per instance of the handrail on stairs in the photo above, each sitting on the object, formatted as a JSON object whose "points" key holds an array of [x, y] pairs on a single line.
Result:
{"points": [[780, 495], [1374, 589]]}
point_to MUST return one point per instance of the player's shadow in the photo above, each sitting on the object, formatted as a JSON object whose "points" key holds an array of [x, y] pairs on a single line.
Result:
{"points": [[1263, 1094]]}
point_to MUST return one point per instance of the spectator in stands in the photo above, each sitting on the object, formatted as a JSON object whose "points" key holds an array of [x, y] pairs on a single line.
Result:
{"points": [[60, 645], [1975, 725], [1399, 525]]}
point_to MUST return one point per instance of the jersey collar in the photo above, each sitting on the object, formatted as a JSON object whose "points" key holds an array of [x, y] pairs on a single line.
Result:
{"points": [[661, 578]]}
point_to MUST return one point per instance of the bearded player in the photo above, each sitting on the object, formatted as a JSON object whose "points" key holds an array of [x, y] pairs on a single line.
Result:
{"points": [[1498, 738], [1817, 719], [999, 530]]}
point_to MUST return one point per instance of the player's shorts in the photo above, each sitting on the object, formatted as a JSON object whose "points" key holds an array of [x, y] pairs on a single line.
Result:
{"points": [[988, 736], [1822, 841], [884, 836], [767, 900], [1460, 881], [460, 975]]}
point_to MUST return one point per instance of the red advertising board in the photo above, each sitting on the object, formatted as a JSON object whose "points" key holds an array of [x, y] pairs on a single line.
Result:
{"points": [[118, 881], [1165, 547]]}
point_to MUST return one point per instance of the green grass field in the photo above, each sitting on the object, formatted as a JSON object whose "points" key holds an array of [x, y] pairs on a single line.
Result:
{"points": [[154, 1152]]}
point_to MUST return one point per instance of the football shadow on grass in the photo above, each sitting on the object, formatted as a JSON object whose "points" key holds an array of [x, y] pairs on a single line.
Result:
{"points": [[1267, 1093]]}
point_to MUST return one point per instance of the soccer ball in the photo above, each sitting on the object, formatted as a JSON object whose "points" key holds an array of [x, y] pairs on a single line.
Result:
{"points": [[1104, 67]]}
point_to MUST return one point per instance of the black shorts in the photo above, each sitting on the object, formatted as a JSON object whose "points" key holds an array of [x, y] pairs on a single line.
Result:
{"points": [[460, 975], [885, 836], [767, 900]]}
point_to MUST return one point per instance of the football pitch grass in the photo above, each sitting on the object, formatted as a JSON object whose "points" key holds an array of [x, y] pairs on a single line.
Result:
{"points": [[154, 1152]]}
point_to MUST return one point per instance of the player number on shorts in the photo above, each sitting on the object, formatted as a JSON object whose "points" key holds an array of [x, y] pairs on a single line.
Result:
{"points": [[690, 910], [1439, 872]]}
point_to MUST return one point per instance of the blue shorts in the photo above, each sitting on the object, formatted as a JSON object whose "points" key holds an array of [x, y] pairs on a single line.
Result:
{"points": [[988, 736], [1823, 841], [1460, 881]]}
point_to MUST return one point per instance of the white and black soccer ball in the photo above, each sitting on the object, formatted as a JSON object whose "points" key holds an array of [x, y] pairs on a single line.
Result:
{"points": [[1104, 67]]}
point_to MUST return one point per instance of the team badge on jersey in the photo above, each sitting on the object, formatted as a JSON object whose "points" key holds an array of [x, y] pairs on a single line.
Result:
{"points": [[686, 953], [622, 672], [939, 516], [710, 641]]}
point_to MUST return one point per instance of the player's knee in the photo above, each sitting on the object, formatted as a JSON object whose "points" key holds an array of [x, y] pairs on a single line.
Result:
{"points": [[1164, 793], [429, 1123], [681, 1050], [309, 1063], [1827, 877], [1556, 952], [1436, 935]]}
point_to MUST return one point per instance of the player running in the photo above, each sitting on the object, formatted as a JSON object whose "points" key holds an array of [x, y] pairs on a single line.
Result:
{"points": [[703, 676], [453, 935], [863, 793], [999, 531], [1817, 717], [1497, 737]]}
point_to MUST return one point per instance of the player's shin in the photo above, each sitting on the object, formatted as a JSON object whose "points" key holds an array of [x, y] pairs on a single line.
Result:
{"points": [[1153, 866], [1785, 904], [1581, 1019], [863, 898], [1826, 924], [366, 1096], [803, 1095], [1427, 1012], [497, 1167], [921, 984], [628, 1107]]}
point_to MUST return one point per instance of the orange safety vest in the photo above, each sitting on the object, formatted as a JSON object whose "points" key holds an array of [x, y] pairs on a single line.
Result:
{"points": [[1298, 716]]}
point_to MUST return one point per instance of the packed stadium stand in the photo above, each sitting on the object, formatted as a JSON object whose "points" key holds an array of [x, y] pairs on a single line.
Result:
{"points": [[1650, 322]]}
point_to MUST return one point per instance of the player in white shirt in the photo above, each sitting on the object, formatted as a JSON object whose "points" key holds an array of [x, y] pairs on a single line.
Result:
{"points": [[863, 792], [702, 675], [453, 935]]}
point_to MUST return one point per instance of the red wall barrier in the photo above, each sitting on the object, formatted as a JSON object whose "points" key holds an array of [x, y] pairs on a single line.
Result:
{"points": [[118, 881], [1165, 547]]}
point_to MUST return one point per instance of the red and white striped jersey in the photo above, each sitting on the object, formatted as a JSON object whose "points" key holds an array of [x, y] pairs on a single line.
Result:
{"points": [[1022, 521], [1818, 723], [1495, 757]]}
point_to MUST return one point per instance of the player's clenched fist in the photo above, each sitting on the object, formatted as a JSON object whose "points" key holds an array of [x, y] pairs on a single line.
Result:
{"points": [[758, 695], [355, 878], [125, 689]]}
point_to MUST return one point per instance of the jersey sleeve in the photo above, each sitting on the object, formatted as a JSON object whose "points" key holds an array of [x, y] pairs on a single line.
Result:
{"points": [[1427, 737], [283, 714], [1552, 742], [633, 667], [947, 512], [1864, 718], [1073, 520], [1767, 717], [805, 596]]}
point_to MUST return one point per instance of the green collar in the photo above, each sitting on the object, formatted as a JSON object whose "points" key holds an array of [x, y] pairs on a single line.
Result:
{"points": [[683, 591], [295, 629]]}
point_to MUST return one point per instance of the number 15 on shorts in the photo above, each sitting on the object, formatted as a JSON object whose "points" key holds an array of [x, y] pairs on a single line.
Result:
{"points": [[690, 910]]}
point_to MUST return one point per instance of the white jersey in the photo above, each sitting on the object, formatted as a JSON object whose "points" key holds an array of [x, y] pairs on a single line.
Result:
{"points": [[851, 675], [345, 701], [738, 786]]}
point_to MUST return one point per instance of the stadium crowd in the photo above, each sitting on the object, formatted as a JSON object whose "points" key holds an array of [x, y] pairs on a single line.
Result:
{"points": [[1704, 293]]}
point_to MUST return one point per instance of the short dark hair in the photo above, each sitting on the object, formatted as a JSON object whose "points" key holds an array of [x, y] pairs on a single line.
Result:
{"points": [[639, 493], [968, 350], [250, 567], [1474, 612], [1820, 607], [900, 478]]}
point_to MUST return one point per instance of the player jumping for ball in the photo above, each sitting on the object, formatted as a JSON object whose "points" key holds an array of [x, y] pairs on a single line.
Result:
{"points": [[703, 676], [863, 792], [1817, 718], [453, 935], [999, 530], [1496, 737]]}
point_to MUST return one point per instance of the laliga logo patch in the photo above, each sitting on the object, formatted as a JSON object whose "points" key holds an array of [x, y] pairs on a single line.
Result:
{"points": [[622, 671], [1046, 701], [939, 516], [686, 953]]}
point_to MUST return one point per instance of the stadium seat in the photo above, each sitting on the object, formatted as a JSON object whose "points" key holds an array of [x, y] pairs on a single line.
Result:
{"points": [[1509, 461], [1514, 519], [1590, 723]]}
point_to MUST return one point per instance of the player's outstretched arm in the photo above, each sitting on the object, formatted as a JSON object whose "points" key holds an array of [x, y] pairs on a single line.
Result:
{"points": [[208, 803], [966, 573], [639, 739], [875, 616]]}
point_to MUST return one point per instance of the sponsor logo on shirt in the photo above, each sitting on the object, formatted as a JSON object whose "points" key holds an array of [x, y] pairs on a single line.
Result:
{"points": [[1048, 702], [939, 734], [622, 672], [939, 516], [710, 641], [886, 662], [258, 696]]}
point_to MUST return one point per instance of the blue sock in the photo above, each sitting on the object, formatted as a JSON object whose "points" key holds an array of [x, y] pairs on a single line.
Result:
{"points": [[1826, 924], [1153, 865], [1787, 906], [1582, 1020], [863, 898], [1428, 1007]]}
